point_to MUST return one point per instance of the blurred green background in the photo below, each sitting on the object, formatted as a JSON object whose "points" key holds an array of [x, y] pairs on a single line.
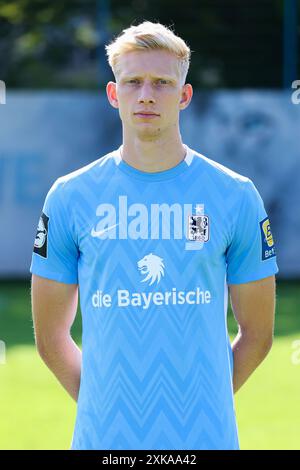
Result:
{"points": [[37, 413], [59, 45]]}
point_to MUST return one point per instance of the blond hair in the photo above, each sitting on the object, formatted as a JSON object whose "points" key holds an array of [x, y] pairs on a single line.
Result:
{"points": [[147, 36]]}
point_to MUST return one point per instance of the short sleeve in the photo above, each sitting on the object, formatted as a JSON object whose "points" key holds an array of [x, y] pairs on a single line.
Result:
{"points": [[251, 254], [55, 253]]}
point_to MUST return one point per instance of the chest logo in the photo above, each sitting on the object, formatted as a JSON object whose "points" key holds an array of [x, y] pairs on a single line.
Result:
{"points": [[152, 266], [198, 228]]}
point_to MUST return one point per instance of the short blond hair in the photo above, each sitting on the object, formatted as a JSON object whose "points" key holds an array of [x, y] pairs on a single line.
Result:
{"points": [[149, 36]]}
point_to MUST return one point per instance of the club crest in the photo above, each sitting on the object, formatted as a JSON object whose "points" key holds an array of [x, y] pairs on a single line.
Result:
{"points": [[198, 228]]}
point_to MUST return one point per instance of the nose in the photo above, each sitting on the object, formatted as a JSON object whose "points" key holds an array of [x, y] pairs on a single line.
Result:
{"points": [[146, 94]]}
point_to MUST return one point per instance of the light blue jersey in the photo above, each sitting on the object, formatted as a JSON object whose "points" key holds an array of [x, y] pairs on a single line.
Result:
{"points": [[153, 254]]}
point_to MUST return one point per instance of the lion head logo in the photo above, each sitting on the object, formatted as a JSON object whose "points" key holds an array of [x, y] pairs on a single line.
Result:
{"points": [[152, 266]]}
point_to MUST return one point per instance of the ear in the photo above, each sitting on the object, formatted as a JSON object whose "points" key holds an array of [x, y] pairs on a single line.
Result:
{"points": [[186, 96], [111, 91]]}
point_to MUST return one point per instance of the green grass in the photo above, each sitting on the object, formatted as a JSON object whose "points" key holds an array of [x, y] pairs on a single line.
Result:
{"points": [[267, 406], [37, 413]]}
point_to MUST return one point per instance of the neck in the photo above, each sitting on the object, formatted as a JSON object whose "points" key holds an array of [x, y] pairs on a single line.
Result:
{"points": [[153, 156]]}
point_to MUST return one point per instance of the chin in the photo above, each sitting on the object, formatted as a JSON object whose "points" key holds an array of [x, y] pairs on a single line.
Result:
{"points": [[149, 134]]}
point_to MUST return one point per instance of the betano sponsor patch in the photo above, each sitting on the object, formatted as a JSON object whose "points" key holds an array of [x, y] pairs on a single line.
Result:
{"points": [[267, 241]]}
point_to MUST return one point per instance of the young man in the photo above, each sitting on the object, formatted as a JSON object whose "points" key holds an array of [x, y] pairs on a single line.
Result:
{"points": [[152, 235]]}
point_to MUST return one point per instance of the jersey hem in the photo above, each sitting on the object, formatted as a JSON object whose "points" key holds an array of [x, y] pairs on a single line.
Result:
{"points": [[254, 277], [54, 276]]}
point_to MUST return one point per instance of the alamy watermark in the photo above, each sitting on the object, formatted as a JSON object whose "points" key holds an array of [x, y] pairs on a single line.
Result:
{"points": [[2, 92], [2, 353], [296, 95], [295, 357]]}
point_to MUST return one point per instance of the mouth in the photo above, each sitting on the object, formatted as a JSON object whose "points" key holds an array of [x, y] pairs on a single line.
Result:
{"points": [[146, 115]]}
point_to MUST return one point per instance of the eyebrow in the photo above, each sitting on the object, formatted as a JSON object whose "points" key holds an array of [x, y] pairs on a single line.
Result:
{"points": [[162, 76]]}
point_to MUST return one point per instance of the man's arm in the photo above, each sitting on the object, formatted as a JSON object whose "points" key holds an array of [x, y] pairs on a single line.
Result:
{"points": [[253, 305], [54, 306]]}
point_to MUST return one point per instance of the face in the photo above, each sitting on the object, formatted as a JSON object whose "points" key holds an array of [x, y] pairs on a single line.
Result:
{"points": [[148, 93]]}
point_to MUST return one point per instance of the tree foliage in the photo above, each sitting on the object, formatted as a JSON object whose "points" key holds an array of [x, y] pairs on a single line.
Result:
{"points": [[47, 44]]}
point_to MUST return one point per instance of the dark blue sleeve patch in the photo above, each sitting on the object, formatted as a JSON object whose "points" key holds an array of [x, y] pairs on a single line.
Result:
{"points": [[267, 241], [41, 238]]}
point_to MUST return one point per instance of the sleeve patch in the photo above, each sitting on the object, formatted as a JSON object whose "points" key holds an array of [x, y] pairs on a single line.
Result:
{"points": [[267, 241], [41, 238]]}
